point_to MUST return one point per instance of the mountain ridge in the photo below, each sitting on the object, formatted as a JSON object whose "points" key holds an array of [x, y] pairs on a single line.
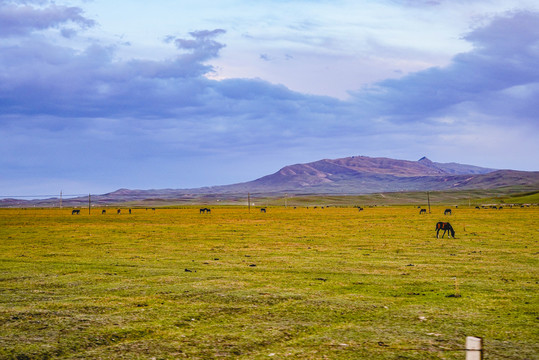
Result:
{"points": [[355, 175], [362, 168]]}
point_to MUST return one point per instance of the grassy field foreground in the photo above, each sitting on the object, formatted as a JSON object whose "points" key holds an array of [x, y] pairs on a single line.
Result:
{"points": [[331, 283]]}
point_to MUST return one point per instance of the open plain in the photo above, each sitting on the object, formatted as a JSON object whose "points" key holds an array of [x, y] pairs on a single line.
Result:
{"points": [[304, 283]]}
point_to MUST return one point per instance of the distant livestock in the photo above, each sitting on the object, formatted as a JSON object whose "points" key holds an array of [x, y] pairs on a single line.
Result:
{"points": [[119, 211], [422, 211], [103, 212], [447, 212], [205, 210], [263, 210], [130, 211], [446, 227], [75, 212]]}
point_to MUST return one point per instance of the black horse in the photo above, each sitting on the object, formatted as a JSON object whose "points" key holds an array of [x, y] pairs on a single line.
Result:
{"points": [[263, 210], [422, 211], [75, 212], [447, 212], [205, 210], [446, 227]]}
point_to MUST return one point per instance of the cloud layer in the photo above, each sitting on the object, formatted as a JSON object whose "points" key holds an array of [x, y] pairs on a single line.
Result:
{"points": [[24, 19], [500, 65], [72, 111]]}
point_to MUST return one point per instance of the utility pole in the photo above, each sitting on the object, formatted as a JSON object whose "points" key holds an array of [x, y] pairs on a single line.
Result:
{"points": [[89, 204], [428, 199], [249, 201], [60, 199]]}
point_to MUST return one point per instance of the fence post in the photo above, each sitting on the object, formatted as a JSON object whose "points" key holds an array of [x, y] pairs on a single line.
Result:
{"points": [[474, 348]]}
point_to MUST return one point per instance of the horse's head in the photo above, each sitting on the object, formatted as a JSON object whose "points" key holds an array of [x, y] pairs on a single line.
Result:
{"points": [[452, 231]]}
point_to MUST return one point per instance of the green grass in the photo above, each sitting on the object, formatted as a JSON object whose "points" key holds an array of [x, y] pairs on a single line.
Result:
{"points": [[330, 283], [504, 195]]}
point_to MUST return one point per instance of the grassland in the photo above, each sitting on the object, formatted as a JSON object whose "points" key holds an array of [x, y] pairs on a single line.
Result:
{"points": [[332, 283], [499, 196]]}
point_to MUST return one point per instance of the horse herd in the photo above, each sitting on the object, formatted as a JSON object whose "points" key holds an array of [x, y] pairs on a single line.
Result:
{"points": [[424, 211], [445, 226], [103, 212]]}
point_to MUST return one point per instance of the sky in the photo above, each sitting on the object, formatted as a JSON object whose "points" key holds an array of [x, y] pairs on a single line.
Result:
{"points": [[97, 95]]}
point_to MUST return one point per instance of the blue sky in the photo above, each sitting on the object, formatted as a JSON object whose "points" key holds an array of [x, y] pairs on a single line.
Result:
{"points": [[100, 95]]}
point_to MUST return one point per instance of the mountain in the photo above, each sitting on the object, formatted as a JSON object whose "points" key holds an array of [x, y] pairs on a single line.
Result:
{"points": [[350, 175], [454, 168], [357, 175], [361, 175]]}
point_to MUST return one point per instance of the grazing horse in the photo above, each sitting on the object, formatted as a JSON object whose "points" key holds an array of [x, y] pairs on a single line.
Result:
{"points": [[422, 211], [130, 211], [446, 227], [119, 211], [103, 212], [205, 210], [75, 212], [263, 210], [447, 212]]}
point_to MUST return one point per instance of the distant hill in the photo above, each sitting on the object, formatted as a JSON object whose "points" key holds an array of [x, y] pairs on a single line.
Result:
{"points": [[346, 176]]}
